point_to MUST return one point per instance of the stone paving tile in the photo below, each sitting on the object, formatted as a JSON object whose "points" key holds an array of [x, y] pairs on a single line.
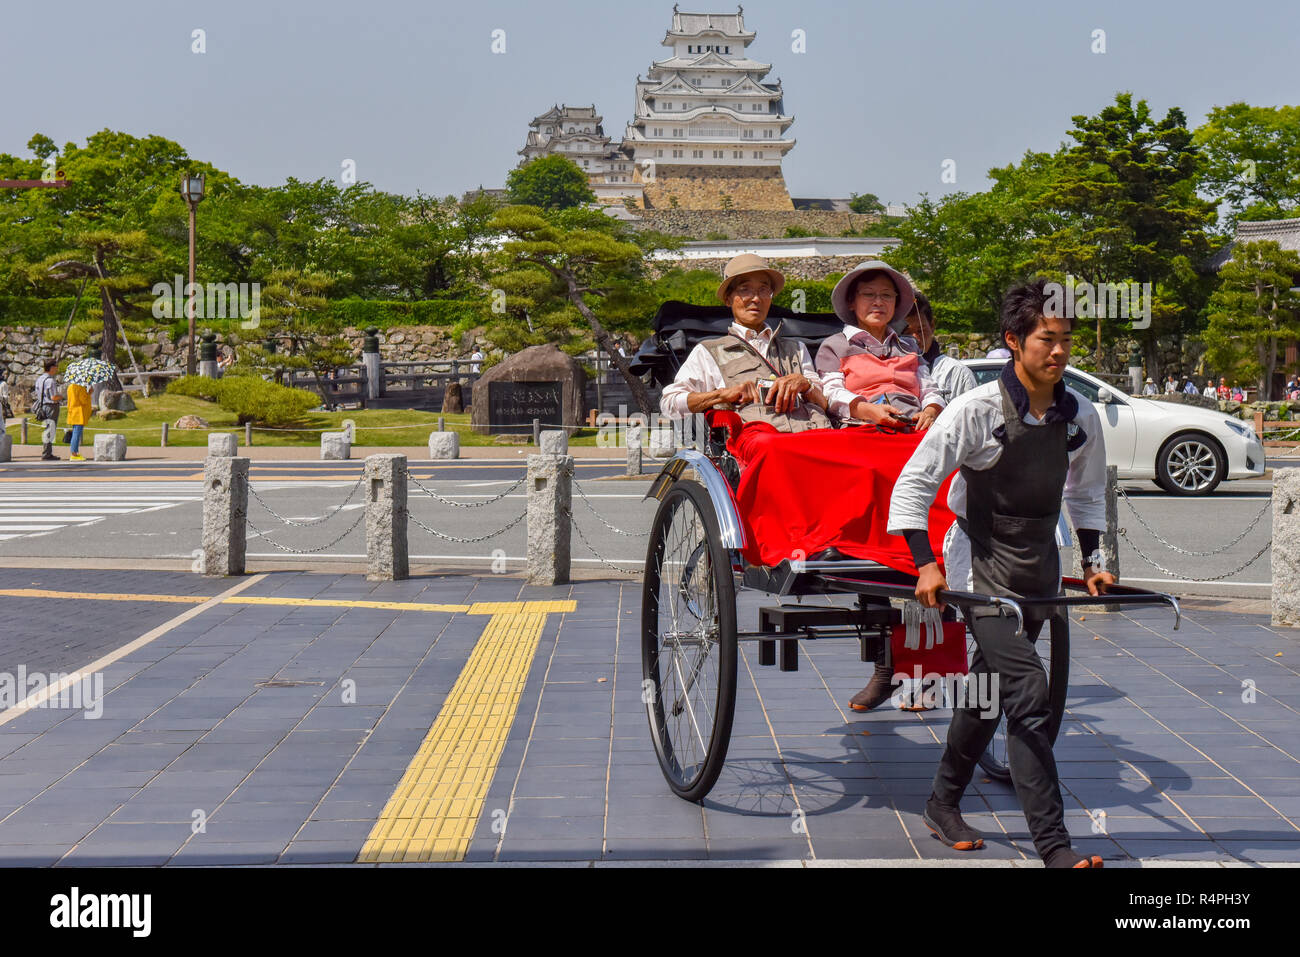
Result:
{"points": [[853, 787]]}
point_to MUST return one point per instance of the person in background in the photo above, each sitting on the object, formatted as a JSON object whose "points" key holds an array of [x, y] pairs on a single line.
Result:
{"points": [[1224, 392], [999, 353], [476, 360], [1171, 385], [1210, 392], [1189, 388], [1238, 393], [950, 375], [78, 417], [45, 408], [6, 412], [1150, 387]]}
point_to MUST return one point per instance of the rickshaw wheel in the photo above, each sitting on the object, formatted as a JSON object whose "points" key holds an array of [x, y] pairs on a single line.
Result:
{"points": [[1057, 665], [688, 641]]}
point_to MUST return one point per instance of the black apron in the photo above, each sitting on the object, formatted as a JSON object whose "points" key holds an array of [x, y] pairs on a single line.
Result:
{"points": [[1012, 510]]}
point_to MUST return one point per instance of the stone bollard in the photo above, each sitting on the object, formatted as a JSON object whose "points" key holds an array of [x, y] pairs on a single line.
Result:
{"points": [[387, 555], [554, 442], [248, 434], [225, 515], [634, 433], [6, 448], [444, 445], [22, 430], [662, 443], [110, 448], [162, 441], [550, 518], [335, 446], [222, 445], [1285, 555]]}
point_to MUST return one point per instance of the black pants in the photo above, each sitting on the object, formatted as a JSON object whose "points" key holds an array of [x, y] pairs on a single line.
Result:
{"points": [[1022, 696]]}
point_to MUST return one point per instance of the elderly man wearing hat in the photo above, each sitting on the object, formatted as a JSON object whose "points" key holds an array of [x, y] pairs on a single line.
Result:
{"points": [[764, 377], [870, 374]]}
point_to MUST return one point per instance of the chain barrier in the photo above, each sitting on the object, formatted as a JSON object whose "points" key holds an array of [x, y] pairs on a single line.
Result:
{"points": [[599, 557], [469, 541], [315, 521], [1268, 504], [445, 501], [586, 501], [361, 514], [1212, 578]]}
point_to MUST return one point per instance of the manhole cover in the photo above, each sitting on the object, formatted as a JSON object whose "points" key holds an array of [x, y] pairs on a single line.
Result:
{"points": [[285, 684]]}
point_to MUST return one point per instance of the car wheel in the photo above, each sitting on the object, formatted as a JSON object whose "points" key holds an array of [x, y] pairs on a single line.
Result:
{"points": [[1190, 463]]}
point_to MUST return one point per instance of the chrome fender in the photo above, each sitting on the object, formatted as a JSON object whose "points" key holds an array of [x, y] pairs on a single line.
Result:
{"points": [[724, 505]]}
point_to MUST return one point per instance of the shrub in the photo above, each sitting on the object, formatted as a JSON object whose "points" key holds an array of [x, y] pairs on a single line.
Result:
{"points": [[716, 237], [796, 232], [196, 387], [249, 397], [253, 399]]}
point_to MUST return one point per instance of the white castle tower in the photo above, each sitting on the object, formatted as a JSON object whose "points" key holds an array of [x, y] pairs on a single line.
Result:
{"points": [[707, 130], [576, 133]]}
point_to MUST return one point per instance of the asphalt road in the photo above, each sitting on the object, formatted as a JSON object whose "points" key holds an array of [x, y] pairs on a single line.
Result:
{"points": [[118, 518]]}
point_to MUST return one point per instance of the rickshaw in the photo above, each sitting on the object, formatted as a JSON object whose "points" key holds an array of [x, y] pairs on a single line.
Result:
{"points": [[694, 567]]}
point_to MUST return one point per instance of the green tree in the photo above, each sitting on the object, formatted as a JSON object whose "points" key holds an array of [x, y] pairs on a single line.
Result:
{"points": [[118, 265], [1252, 160], [568, 266], [1254, 310], [1128, 210], [865, 203], [549, 182], [293, 313], [966, 249]]}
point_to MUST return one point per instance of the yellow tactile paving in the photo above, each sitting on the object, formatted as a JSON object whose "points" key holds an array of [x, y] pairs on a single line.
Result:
{"points": [[102, 596], [434, 809], [341, 603], [477, 608]]}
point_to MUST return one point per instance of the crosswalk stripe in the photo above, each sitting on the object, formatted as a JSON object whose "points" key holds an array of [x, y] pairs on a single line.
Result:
{"points": [[40, 508]]}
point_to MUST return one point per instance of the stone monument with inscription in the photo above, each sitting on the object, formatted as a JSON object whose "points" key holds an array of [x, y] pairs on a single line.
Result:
{"points": [[540, 382]]}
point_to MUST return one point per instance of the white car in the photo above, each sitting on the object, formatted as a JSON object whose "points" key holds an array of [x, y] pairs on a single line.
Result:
{"points": [[1185, 449]]}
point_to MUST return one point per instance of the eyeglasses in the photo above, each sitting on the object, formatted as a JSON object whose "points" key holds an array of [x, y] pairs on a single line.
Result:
{"points": [[749, 292], [877, 296]]}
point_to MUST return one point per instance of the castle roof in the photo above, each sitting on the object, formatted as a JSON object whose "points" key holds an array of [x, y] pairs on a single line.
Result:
{"points": [[730, 25]]}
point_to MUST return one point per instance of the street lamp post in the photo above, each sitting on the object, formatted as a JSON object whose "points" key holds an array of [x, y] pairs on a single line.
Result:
{"points": [[192, 190]]}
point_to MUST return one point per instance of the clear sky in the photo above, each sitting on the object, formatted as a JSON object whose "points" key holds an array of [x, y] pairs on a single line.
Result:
{"points": [[412, 92]]}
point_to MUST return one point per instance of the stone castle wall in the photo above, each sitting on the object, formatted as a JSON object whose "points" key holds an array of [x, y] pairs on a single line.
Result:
{"points": [[23, 347], [702, 187], [750, 223], [814, 267]]}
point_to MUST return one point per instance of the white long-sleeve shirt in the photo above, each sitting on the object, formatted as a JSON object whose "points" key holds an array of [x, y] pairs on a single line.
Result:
{"points": [[963, 435], [700, 373]]}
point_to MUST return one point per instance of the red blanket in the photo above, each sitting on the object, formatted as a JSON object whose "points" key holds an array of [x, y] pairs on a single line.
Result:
{"points": [[806, 491]]}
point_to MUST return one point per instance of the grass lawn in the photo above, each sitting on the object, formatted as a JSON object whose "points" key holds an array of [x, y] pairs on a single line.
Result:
{"points": [[394, 427]]}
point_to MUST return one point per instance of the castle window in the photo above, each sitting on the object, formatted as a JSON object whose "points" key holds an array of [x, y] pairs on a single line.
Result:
{"points": [[659, 152], [737, 154], [677, 154], [758, 156], [698, 154], [767, 134], [668, 106], [717, 154]]}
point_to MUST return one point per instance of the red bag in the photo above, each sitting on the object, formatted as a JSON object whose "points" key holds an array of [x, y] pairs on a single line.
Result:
{"points": [[947, 657]]}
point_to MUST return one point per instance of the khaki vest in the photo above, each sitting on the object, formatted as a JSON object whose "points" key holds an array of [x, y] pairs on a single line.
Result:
{"points": [[739, 363]]}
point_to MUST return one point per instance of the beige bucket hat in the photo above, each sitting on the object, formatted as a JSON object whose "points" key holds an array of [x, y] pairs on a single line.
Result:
{"points": [[871, 269], [744, 265]]}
